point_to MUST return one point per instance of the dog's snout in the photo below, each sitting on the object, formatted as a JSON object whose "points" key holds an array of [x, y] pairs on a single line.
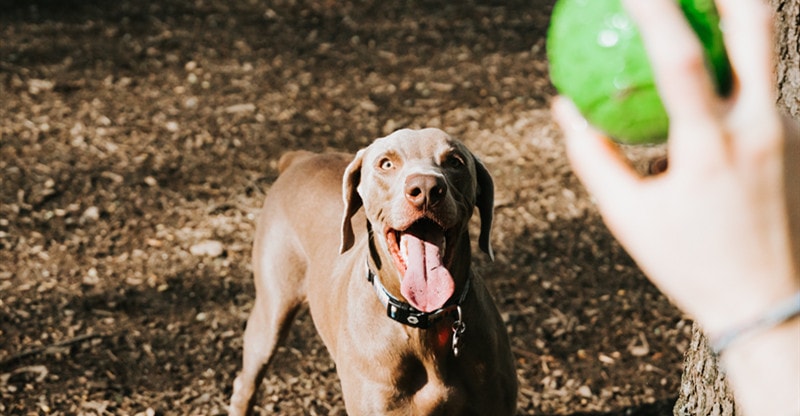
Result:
{"points": [[424, 191]]}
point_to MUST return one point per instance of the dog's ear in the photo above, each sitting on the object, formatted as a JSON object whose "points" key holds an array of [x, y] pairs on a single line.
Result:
{"points": [[485, 204], [352, 200]]}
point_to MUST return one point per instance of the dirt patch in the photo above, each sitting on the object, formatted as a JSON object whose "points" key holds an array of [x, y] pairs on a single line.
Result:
{"points": [[138, 139]]}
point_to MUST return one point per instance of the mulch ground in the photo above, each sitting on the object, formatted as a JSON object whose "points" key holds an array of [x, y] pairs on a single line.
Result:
{"points": [[138, 139]]}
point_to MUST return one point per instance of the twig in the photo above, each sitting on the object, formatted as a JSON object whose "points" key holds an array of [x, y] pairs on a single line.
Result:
{"points": [[525, 353], [44, 349]]}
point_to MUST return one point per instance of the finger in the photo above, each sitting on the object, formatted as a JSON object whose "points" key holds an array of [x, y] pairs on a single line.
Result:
{"points": [[748, 33], [596, 160], [684, 83], [676, 56]]}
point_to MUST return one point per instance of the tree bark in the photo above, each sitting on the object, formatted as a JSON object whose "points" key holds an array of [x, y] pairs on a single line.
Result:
{"points": [[704, 389], [787, 51]]}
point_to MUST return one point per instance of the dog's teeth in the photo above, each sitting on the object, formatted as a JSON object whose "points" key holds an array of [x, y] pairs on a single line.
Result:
{"points": [[403, 249]]}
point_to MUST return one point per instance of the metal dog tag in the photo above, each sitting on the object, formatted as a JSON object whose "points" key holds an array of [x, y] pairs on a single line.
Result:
{"points": [[458, 328]]}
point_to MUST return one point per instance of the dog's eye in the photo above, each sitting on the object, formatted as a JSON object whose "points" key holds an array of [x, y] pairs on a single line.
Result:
{"points": [[386, 164], [455, 161]]}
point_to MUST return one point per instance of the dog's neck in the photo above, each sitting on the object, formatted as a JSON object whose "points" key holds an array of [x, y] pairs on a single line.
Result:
{"points": [[406, 314]]}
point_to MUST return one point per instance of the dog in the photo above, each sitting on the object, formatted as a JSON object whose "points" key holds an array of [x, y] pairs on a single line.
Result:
{"points": [[378, 246]]}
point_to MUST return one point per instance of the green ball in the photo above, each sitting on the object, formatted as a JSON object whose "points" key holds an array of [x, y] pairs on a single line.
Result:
{"points": [[598, 60]]}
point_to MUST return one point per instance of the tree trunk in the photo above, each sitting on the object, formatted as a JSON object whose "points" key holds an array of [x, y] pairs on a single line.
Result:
{"points": [[787, 50], [704, 390]]}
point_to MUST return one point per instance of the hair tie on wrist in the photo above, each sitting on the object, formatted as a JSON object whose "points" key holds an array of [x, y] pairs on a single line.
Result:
{"points": [[773, 317]]}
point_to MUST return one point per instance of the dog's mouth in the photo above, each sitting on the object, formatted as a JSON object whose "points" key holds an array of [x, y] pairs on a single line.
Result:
{"points": [[418, 253]]}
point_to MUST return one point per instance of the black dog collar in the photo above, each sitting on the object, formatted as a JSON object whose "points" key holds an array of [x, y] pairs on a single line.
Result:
{"points": [[408, 315]]}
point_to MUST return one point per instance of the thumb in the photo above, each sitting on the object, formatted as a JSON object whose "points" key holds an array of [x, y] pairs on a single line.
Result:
{"points": [[595, 159]]}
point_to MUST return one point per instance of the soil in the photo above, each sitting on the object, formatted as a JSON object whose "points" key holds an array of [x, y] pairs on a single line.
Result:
{"points": [[138, 139]]}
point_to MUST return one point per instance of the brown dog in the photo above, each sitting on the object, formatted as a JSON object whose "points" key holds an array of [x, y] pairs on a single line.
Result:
{"points": [[402, 250]]}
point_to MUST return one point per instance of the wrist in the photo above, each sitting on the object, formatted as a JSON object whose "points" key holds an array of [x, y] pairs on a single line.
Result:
{"points": [[779, 315], [763, 370], [744, 306]]}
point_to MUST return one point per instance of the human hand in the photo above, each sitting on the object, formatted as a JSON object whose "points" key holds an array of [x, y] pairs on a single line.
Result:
{"points": [[712, 232]]}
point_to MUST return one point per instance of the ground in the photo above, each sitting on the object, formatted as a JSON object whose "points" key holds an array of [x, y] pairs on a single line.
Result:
{"points": [[138, 139]]}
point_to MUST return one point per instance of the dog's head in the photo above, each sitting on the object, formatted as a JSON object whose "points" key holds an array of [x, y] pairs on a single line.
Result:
{"points": [[419, 189]]}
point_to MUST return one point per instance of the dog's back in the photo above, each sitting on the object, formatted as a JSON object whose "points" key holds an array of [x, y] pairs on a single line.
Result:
{"points": [[293, 157], [301, 213]]}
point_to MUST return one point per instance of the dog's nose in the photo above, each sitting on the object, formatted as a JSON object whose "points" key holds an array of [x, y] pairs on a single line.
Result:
{"points": [[424, 191]]}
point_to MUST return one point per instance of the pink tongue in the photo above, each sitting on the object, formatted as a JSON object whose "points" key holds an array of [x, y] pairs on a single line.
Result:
{"points": [[427, 284]]}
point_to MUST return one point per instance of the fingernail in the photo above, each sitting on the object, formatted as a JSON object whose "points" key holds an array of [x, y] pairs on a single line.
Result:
{"points": [[568, 115], [579, 123]]}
